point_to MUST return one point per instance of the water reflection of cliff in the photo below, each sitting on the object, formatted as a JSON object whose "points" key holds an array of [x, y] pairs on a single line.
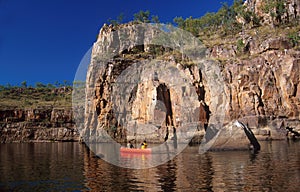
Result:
{"points": [[276, 167], [41, 167]]}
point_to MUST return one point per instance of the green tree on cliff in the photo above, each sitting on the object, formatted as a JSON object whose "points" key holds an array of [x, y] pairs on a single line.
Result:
{"points": [[39, 85], [155, 19], [24, 84], [224, 19], [142, 16], [179, 21], [117, 21]]}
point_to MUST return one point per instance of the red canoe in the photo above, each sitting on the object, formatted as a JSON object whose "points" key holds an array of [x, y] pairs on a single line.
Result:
{"points": [[135, 150]]}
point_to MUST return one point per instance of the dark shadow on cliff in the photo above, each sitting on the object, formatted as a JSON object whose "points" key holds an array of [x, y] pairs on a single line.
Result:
{"points": [[250, 136]]}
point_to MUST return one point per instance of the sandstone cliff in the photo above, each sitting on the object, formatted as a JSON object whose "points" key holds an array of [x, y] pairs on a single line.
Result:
{"points": [[30, 114], [37, 125], [261, 85], [142, 87]]}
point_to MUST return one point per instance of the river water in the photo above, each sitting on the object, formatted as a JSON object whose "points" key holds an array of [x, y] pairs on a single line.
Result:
{"points": [[73, 167]]}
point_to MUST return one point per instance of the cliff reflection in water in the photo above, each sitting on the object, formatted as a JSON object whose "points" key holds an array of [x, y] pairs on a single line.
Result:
{"points": [[73, 166], [41, 167], [276, 167]]}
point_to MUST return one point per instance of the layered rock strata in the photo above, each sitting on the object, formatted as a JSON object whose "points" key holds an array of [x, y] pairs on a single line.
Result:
{"points": [[37, 125], [261, 91]]}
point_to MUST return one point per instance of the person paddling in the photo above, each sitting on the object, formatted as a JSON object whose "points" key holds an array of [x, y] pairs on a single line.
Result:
{"points": [[144, 145], [129, 145]]}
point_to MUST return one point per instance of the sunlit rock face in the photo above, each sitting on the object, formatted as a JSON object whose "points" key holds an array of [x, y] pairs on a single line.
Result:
{"points": [[264, 91], [265, 86], [261, 91], [140, 95]]}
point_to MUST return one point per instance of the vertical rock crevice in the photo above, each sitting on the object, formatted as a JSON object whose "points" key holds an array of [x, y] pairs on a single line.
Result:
{"points": [[163, 95], [198, 83]]}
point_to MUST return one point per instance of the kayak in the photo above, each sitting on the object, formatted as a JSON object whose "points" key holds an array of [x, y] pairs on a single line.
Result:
{"points": [[135, 150]]}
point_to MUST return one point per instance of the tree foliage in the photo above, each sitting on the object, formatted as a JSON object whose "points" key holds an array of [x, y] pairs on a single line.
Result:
{"points": [[142, 16], [155, 19], [39, 85], [224, 19], [179, 21], [24, 84], [294, 38], [117, 21]]}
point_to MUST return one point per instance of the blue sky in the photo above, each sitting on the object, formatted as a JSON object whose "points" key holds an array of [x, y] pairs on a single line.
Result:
{"points": [[44, 41]]}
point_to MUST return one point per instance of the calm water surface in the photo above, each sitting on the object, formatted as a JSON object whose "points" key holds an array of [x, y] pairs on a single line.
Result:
{"points": [[73, 167]]}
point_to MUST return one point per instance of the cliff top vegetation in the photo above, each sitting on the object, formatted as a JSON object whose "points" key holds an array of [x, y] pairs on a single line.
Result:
{"points": [[230, 23], [38, 96]]}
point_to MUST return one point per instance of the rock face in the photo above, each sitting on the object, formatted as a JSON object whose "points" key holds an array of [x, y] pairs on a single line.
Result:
{"points": [[261, 91], [265, 86], [37, 125], [234, 136], [290, 12], [144, 92]]}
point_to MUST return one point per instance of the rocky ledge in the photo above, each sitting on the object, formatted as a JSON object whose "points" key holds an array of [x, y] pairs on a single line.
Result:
{"points": [[37, 125]]}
